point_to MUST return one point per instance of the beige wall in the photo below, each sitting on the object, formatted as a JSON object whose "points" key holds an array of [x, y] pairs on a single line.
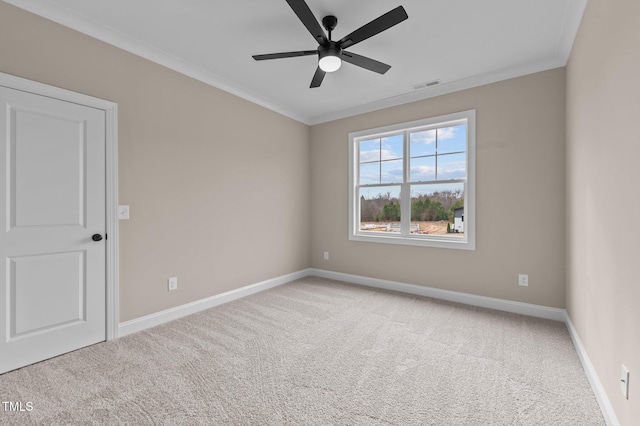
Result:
{"points": [[218, 187], [519, 192], [603, 238]]}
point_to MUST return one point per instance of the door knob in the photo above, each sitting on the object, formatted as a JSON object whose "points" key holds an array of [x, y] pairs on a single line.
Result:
{"points": [[96, 237]]}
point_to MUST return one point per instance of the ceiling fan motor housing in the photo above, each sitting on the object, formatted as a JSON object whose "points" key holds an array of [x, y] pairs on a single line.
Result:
{"points": [[331, 50]]}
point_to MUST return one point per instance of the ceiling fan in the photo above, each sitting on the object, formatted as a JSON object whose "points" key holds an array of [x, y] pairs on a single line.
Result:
{"points": [[331, 53]]}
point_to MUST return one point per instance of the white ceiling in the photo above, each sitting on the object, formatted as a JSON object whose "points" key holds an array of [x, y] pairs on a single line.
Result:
{"points": [[461, 43]]}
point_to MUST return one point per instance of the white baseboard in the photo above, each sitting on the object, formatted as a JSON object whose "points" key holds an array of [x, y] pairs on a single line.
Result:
{"points": [[452, 296], [539, 311], [605, 406], [499, 304], [167, 315]]}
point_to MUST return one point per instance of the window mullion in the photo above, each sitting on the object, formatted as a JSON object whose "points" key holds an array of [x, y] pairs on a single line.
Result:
{"points": [[380, 159], [405, 192], [437, 153]]}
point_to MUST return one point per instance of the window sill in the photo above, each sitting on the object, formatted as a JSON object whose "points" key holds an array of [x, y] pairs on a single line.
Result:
{"points": [[434, 241]]}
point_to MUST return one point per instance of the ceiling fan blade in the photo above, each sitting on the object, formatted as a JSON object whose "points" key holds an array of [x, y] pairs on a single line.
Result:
{"points": [[284, 55], [317, 78], [309, 20], [364, 62], [374, 27]]}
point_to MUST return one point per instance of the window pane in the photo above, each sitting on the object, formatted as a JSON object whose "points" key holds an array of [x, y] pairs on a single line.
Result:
{"points": [[437, 209], [422, 143], [422, 169], [369, 150], [452, 166], [452, 139], [369, 173], [392, 148], [380, 209], [391, 171]]}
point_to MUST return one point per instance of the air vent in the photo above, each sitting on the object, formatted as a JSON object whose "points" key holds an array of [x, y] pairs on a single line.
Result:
{"points": [[425, 85]]}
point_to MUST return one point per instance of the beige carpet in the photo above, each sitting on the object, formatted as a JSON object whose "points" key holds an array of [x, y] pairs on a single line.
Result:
{"points": [[318, 352]]}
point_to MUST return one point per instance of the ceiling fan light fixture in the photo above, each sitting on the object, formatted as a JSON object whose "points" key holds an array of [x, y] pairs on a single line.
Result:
{"points": [[329, 59], [330, 63]]}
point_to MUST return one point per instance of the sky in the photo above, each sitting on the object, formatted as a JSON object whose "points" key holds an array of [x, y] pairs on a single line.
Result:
{"points": [[381, 158]]}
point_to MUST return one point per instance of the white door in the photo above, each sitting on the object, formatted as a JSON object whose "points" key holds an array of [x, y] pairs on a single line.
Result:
{"points": [[52, 192]]}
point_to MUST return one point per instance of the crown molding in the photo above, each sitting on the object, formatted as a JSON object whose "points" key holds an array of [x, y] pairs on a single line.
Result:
{"points": [[444, 89], [132, 45], [570, 25], [82, 24]]}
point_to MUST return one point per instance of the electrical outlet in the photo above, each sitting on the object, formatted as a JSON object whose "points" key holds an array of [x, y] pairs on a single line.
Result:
{"points": [[523, 280], [326, 255], [173, 283], [624, 381]]}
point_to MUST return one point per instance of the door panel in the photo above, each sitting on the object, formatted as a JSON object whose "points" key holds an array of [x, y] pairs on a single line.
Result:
{"points": [[47, 179], [32, 292], [52, 192]]}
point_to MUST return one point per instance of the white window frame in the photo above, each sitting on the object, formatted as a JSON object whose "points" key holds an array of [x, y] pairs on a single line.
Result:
{"points": [[468, 241]]}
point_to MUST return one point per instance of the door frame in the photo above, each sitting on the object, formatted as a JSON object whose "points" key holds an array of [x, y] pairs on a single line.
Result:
{"points": [[111, 186]]}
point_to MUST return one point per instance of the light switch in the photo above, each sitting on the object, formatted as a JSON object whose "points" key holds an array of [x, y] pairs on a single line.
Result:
{"points": [[123, 212]]}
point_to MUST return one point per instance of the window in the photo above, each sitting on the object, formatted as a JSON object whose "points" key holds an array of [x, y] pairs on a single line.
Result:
{"points": [[414, 183]]}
